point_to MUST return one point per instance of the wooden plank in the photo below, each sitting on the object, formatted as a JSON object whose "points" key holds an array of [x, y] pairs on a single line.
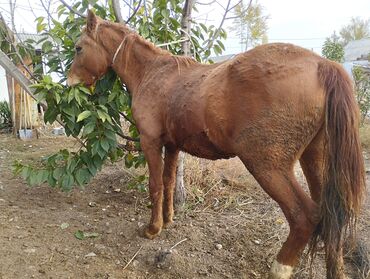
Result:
{"points": [[17, 74]]}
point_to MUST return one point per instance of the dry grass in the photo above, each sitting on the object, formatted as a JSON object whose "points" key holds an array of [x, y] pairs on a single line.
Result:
{"points": [[217, 185]]}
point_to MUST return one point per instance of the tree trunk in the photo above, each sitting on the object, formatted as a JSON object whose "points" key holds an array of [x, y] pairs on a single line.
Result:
{"points": [[180, 192], [117, 11]]}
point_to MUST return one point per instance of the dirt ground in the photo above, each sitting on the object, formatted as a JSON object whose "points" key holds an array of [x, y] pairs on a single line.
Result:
{"points": [[229, 229]]}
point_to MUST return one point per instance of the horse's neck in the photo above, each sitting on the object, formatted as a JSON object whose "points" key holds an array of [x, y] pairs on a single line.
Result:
{"points": [[133, 61]]}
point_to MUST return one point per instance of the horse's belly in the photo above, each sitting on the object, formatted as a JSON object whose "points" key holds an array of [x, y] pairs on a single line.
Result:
{"points": [[199, 145]]}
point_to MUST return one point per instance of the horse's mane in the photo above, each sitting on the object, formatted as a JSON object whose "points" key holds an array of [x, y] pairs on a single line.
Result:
{"points": [[131, 37]]}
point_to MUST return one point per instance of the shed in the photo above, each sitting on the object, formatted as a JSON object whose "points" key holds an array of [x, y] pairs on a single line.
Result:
{"points": [[24, 109]]}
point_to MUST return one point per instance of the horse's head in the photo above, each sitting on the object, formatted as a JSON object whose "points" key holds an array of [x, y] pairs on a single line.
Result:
{"points": [[91, 60]]}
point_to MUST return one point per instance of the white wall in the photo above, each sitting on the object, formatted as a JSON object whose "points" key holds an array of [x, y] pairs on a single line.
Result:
{"points": [[3, 86]]}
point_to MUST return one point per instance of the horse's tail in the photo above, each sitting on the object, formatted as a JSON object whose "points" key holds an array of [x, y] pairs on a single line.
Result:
{"points": [[344, 181]]}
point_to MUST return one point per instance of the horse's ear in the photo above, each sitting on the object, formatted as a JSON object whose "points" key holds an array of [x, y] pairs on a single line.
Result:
{"points": [[92, 23]]}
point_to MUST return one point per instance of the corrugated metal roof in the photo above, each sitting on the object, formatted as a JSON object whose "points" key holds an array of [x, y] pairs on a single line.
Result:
{"points": [[357, 50], [221, 58]]}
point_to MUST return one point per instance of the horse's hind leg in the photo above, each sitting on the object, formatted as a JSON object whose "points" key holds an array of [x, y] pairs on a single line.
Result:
{"points": [[312, 163], [299, 209]]}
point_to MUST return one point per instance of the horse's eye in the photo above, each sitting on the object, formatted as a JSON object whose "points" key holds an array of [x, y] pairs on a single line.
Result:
{"points": [[78, 49]]}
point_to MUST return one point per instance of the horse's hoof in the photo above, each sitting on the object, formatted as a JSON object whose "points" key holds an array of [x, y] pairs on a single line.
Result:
{"points": [[167, 224], [151, 233], [280, 271]]}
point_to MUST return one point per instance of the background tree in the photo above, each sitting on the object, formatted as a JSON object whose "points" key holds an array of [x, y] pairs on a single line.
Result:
{"points": [[250, 24], [357, 29], [362, 86], [333, 49]]}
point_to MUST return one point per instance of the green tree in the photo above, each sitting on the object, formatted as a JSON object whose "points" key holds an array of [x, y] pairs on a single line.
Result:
{"points": [[362, 86], [94, 115], [357, 29], [333, 49], [250, 24]]}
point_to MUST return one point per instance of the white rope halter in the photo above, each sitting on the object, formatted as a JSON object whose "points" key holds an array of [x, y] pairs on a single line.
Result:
{"points": [[118, 50]]}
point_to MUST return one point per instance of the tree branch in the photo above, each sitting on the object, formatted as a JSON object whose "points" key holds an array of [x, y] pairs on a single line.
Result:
{"points": [[134, 12], [206, 4], [129, 148], [71, 9], [227, 10], [126, 117], [128, 4], [128, 137]]}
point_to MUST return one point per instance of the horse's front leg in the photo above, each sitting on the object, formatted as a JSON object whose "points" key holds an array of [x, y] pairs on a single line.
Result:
{"points": [[152, 151]]}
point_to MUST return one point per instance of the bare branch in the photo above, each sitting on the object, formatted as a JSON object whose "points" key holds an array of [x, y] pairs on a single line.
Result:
{"points": [[250, 3], [128, 147], [227, 10], [128, 4], [127, 118], [128, 137], [30, 7], [217, 33], [12, 11], [205, 4], [134, 12], [47, 10], [71, 9]]}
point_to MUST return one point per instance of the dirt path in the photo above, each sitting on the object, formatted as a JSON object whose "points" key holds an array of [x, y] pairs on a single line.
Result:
{"points": [[38, 226]]}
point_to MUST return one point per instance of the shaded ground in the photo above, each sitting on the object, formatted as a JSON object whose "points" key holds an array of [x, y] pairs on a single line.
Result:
{"points": [[230, 229]]}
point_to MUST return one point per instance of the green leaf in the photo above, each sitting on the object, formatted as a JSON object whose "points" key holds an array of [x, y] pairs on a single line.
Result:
{"points": [[71, 94], [111, 135], [40, 27], [57, 98], [83, 235], [51, 180], [41, 176], [217, 49], [85, 90], [102, 115], [82, 176], [83, 115], [67, 182], [89, 128], [25, 173], [95, 148], [104, 144], [80, 235]]}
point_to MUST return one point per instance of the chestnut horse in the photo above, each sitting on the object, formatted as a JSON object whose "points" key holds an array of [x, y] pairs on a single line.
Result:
{"points": [[270, 106]]}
